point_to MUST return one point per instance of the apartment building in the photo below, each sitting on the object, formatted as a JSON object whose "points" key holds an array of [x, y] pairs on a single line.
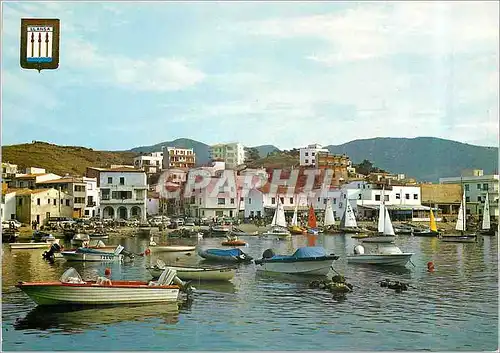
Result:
{"points": [[308, 154], [232, 154], [151, 163], [41, 204], [174, 157]]}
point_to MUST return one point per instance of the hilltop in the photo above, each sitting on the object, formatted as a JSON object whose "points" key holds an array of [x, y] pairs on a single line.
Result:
{"points": [[62, 159]]}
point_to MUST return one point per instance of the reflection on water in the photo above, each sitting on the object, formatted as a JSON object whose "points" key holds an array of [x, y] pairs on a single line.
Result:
{"points": [[73, 319], [454, 308]]}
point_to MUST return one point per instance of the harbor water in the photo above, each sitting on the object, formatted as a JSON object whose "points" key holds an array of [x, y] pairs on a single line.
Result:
{"points": [[454, 308]]}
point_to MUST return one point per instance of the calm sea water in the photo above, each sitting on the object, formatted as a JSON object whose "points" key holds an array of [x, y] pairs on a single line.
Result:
{"points": [[454, 308]]}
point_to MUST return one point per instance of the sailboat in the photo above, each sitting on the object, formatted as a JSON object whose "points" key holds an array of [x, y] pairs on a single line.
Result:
{"points": [[380, 250], [312, 224], [329, 220], [461, 226], [348, 223], [278, 224], [486, 225], [431, 232], [294, 227]]}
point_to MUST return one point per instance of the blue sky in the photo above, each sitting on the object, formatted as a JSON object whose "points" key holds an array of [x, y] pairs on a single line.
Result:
{"points": [[288, 74]]}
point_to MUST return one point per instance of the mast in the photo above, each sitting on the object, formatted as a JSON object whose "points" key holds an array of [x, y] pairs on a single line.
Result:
{"points": [[464, 209]]}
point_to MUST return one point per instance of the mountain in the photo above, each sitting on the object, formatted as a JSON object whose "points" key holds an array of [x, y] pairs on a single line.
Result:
{"points": [[200, 148], [62, 159], [424, 158], [265, 149]]}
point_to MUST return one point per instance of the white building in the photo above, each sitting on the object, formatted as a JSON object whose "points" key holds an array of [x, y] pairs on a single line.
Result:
{"points": [[153, 204], [233, 154], [174, 157], [308, 154], [151, 162], [91, 197], [30, 180], [476, 185], [8, 206], [123, 193]]}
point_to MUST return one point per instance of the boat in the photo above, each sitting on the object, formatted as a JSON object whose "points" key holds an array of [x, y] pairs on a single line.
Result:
{"points": [[80, 239], [307, 260], [461, 226], [486, 229], [431, 232], [39, 236], [278, 224], [294, 227], [196, 273], [312, 224], [168, 248], [380, 250], [35, 245], [234, 242], [94, 255], [404, 230], [98, 235], [220, 229], [9, 235], [71, 289], [329, 220], [238, 232], [348, 222], [224, 255]]}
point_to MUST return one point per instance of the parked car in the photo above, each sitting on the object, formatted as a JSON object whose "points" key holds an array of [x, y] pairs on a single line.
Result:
{"points": [[13, 222], [179, 221], [189, 222]]}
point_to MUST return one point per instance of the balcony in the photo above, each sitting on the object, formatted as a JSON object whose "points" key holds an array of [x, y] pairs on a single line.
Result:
{"points": [[91, 204], [109, 201]]}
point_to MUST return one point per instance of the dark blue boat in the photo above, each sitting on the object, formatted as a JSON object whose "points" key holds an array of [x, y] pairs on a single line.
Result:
{"points": [[224, 255]]}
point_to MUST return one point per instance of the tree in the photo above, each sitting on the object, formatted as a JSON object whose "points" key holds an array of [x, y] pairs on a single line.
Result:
{"points": [[252, 154]]}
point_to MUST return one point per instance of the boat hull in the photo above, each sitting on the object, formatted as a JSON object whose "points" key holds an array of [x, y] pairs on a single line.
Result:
{"points": [[278, 235], [20, 246], [429, 233], [197, 274], [103, 257], [160, 248], [383, 260], [459, 238], [308, 267], [234, 243], [57, 293]]}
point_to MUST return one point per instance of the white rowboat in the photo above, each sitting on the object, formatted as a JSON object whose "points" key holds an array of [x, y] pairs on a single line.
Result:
{"points": [[196, 273]]}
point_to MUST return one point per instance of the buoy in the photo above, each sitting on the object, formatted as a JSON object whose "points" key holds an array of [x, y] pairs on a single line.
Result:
{"points": [[430, 266], [147, 252], [107, 272]]}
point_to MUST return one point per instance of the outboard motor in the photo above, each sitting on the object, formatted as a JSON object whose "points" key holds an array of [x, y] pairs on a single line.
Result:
{"points": [[127, 254], [359, 250], [267, 254], [49, 255]]}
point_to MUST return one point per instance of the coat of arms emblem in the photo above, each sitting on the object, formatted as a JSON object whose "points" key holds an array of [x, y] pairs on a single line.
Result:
{"points": [[40, 44]]}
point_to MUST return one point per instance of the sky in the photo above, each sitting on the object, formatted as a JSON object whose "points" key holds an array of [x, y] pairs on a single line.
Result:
{"points": [[282, 73]]}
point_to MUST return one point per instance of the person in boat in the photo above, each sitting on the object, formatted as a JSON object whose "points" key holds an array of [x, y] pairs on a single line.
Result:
{"points": [[105, 281]]}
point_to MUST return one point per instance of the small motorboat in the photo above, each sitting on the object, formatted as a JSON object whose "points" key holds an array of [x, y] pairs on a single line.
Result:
{"points": [[190, 273], [97, 244], [234, 241], [220, 229], [308, 260], [222, 255], [94, 255], [99, 235], [384, 253], [404, 230], [277, 231], [71, 289], [79, 239], [459, 238], [296, 230], [45, 244], [425, 233], [238, 232], [153, 246]]}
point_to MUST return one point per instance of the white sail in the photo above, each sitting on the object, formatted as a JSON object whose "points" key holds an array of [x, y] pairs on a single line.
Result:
{"points": [[280, 216], [349, 217], [388, 229], [381, 216], [329, 217], [294, 219], [461, 219], [273, 222], [486, 214]]}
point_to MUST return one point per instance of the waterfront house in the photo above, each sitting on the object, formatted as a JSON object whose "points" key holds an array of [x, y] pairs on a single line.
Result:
{"points": [[476, 185], [153, 203], [41, 204], [445, 197], [8, 206], [308, 154], [232, 154], [151, 163], [123, 193], [84, 193], [29, 180], [174, 157]]}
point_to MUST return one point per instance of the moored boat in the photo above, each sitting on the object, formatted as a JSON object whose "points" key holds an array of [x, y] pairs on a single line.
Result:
{"points": [[72, 290], [196, 273], [233, 241], [222, 255], [461, 226], [431, 232], [486, 228], [294, 227], [93, 255], [44, 244], [79, 239], [308, 260], [348, 223]]}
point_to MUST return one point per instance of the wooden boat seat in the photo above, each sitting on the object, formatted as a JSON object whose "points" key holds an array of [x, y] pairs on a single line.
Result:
{"points": [[165, 279]]}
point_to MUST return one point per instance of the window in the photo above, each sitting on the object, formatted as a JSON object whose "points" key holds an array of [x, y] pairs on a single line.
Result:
{"points": [[306, 154], [55, 201], [20, 202], [485, 187], [307, 160], [200, 202], [67, 202], [48, 201], [291, 200], [359, 196], [105, 194], [87, 213], [319, 199], [38, 202], [466, 187], [407, 196], [221, 201], [273, 200], [479, 199], [249, 201], [282, 200], [398, 196], [377, 197], [479, 186], [386, 197], [415, 196], [122, 180], [467, 199], [110, 180], [90, 200], [313, 154], [241, 199], [324, 201], [232, 201], [335, 201]]}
